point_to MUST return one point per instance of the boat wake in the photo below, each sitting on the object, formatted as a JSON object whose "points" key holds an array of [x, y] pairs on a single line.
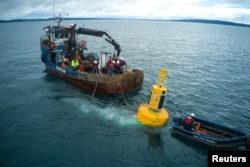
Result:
{"points": [[119, 115]]}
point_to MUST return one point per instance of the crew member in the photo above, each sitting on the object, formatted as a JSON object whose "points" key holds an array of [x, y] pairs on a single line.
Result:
{"points": [[117, 67], [75, 64], [110, 66], [65, 60], [122, 62], [95, 67], [188, 122]]}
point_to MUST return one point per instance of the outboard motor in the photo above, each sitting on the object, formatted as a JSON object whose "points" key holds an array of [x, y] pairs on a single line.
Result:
{"points": [[177, 118]]}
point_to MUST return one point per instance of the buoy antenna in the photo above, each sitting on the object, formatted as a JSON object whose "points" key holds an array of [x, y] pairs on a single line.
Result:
{"points": [[162, 77]]}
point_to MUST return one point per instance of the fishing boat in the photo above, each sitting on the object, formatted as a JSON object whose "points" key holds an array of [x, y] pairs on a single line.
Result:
{"points": [[104, 72], [211, 134]]}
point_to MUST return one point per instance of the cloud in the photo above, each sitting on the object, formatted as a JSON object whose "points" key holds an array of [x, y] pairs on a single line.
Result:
{"points": [[229, 10]]}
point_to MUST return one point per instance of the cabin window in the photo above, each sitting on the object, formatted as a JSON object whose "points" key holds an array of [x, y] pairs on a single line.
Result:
{"points": [[61, 35], [56, 36]]}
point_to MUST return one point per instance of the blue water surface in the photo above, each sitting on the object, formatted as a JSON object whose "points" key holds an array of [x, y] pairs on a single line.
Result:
{"points": [[45, 121]]}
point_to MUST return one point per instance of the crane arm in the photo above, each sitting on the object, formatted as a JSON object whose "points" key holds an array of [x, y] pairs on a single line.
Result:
{"points": [[108, 38]]}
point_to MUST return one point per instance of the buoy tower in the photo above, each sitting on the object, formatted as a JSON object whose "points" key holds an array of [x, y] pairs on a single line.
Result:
{"points": [[153, 114]]}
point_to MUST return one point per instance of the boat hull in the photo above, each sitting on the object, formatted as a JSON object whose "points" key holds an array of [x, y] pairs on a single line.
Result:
{"points": [[216, 136], [100, 83]]}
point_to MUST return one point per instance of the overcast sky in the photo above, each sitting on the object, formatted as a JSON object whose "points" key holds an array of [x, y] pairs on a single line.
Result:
{"points": [[228, 10]]}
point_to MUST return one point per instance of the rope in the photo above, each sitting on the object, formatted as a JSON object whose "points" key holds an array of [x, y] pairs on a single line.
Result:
{"points": [[125, 101], [95, 85], [104, 101]]}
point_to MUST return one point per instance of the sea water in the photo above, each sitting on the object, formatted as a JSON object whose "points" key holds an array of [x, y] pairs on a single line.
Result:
{"points": [[45, 121]]}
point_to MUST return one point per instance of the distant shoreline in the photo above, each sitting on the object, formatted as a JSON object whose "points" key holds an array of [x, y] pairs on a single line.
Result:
{"points": [[221, 22], [213, 22]]}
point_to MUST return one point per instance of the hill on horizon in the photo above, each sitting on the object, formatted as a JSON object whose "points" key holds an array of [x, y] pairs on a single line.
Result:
{"points": [[213, 22], [178, 20]]}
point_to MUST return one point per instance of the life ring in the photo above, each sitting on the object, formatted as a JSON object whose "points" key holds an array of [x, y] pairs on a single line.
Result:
{"points": [[53, 46]]}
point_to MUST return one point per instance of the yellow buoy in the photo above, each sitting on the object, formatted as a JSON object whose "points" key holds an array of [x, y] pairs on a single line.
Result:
{"points": [[153, 114]]}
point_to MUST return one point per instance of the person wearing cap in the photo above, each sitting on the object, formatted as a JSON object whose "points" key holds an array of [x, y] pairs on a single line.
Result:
{"points": [[95, 67], [188, 122], [117, 68]]}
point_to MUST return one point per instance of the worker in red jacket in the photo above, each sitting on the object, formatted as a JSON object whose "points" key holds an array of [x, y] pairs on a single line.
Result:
{"points": [[188, 122]]}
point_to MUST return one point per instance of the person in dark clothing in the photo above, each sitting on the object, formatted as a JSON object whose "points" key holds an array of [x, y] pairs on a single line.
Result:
{"points": [[117, 67], [122, 62]]}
